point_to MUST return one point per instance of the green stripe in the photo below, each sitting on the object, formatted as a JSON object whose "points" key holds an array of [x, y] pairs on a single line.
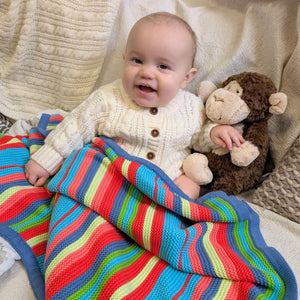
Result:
{"points": [[28, 222], [111, 154], [217, 203], [130, 194], [270, 282], [137, 202], [112, 271]]}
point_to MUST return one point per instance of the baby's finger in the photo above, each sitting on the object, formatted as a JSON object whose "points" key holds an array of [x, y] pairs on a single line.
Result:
{"points": [[31, 178], [220, 142], [40, 181], [237, 139], [228, 142]]}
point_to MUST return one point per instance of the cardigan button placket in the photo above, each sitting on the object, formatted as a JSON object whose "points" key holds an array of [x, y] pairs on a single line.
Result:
{"points": [[154, 132]]}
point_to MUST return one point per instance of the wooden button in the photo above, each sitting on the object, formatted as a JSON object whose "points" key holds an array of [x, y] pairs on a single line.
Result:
{"points": [[150, 155], [155, 133], [153, 110]]}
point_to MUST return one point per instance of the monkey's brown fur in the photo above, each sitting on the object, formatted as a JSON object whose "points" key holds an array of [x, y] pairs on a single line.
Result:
{"points": [[257, 88]]}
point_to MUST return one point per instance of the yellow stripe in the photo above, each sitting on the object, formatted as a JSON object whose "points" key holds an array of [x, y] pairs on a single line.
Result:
{"points": [[37, 239], [13, 141], [223, 289], [124, 169], [210, 250], [148, 225], [74, 246], [9, 192], [130, 286], [34, 148], [90, 193], [186, 208]]}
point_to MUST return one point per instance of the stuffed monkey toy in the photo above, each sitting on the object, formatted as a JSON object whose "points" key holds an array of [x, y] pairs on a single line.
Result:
{"points": [[245, 101]]}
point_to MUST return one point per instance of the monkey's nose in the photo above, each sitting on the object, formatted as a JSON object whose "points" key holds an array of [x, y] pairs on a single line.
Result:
{"points": [[217, 99]]}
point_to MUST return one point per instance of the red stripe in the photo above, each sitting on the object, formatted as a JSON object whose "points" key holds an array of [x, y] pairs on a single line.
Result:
{"points": [[15, 145], [183, 288], [107, 188], [139, 220], [143, 290], [193, 253], [234, 267], [72, 227], [114, 181], [19, 201], [239, 290], [124, 276], [36, 135], [7, 138], [155, 190], [132, 169], [201, 287], [157, 229], [12, 177], [67, 172], [12, 166], [56, 118], [200, 212], [39, 249], [35, 231], [180, 257], [169, 197], [83, 258], [80, 173]]}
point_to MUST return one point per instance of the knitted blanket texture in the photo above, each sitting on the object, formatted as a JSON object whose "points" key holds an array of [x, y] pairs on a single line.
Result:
{"points": [[112, 226]]}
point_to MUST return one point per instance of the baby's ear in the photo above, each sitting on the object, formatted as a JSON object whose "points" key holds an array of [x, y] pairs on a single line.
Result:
{"points": [[123, 55], [188, 77]]}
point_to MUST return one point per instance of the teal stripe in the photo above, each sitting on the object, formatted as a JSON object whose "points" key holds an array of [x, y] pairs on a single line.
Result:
{"points": [[225, 210], [264, 274]]}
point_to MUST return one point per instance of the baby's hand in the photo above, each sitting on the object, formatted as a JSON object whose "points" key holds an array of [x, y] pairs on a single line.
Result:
{"points": [[225, 135], [35, 173]]}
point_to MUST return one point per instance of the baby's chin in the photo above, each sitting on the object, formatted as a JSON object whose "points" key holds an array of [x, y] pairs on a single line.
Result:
{"points": [[145, 103]]}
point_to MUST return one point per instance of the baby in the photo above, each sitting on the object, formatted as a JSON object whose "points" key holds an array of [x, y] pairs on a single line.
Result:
{"points": [[148, 113]]}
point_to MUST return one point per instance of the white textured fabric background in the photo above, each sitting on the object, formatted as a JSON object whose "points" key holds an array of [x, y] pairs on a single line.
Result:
{"points": [[55, 53]]}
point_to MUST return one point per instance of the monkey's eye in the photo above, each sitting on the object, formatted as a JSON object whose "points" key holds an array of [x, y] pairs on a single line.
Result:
{"points": [[234, 87]]}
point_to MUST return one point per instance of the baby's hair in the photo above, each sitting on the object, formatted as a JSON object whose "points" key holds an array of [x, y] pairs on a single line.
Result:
{"points": [[168, 18]]}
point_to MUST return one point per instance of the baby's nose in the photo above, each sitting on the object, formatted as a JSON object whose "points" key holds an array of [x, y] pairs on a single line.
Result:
{"points": [[147, 72]]}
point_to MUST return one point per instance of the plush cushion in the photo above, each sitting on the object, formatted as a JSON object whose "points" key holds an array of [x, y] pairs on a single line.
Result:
{"points": [[280, 192]]}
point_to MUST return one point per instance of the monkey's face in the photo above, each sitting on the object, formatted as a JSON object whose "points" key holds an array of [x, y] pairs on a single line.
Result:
{"points": [[226, 105]]}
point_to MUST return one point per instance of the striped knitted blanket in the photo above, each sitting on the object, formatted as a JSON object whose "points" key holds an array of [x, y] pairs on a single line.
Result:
{"points": [[112, 226]]}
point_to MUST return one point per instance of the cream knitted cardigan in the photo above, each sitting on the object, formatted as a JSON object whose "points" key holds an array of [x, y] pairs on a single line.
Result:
{"points": [[163, 136]]}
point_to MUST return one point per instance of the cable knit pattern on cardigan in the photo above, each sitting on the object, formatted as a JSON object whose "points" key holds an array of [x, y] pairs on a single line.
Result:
{"points": [[167, 135]]}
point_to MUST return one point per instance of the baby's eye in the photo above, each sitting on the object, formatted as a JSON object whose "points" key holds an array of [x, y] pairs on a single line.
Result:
{"points": [[137, 61], [163, 67]]}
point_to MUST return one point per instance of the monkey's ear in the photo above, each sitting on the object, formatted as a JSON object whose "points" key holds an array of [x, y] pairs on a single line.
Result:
{"points": [[205, 88], [278, 103]]}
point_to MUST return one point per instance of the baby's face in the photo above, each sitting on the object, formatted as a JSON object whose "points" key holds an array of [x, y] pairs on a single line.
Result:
{"points": [[157, 63]]}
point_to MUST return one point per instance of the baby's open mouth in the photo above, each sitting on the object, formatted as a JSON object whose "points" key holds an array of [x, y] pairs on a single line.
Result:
{"points": [[146, 89]]}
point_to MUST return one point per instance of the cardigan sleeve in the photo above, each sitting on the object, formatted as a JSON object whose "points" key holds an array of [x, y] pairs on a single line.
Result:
{"points": [[201, 140], [77, 129]]}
